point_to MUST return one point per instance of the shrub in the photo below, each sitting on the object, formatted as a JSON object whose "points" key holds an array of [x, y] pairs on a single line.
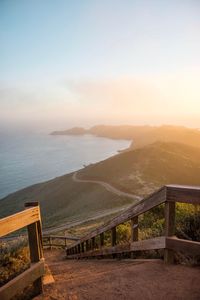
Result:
{"points": [[14, 259]]}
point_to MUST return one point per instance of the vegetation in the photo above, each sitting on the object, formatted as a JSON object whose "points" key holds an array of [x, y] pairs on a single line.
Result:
{"points": [[144, 170], [141, 135], [14, 258], [151, 223], [139, 171]]}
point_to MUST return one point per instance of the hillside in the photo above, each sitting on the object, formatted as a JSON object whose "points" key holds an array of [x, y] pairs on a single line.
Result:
{"points": [[63, 200], [143, 170], [141, 135], [139, 171]]}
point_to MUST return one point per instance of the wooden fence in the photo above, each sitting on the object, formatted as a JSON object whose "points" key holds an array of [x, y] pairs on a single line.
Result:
{"points": [[169, 195], [52, 240], [31, 218]]}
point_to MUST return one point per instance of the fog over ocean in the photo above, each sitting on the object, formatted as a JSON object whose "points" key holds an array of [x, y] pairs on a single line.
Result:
{"points": [[29, 158]]}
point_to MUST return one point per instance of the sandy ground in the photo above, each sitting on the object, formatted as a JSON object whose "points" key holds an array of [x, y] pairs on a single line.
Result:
{"points": [[119, 279]]}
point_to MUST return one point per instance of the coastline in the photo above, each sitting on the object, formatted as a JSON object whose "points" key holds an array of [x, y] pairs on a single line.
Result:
{"points": [[57, 157]]}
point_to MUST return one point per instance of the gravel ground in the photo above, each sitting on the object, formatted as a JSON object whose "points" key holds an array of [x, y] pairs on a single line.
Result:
{"points": [[119, 279]]}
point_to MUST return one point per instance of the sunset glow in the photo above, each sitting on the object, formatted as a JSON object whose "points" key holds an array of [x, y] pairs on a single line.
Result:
{"points": [[65, 63]]}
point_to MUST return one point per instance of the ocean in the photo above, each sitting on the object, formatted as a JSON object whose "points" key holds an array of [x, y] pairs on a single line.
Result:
{"points": [[29, 158]]}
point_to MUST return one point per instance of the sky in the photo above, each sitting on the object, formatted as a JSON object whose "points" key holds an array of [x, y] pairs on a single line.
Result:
{"points": [[67, 63]]}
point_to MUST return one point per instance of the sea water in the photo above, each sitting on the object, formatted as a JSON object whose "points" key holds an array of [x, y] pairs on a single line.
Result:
{"points": [[29, 158]]}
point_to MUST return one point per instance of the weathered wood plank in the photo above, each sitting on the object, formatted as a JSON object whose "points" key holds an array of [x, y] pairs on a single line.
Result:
{"points": [[20, 282], [19, 220], [35, 245], [35, 251], [134, 229], [185, 246], [113, 236], [169, 229], [150, 244], [103, 251], [184, 194]]}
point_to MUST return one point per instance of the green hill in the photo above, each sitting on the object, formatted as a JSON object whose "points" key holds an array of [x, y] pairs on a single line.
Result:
{"points": [[142, 170], [63, 200], [138, 171]]}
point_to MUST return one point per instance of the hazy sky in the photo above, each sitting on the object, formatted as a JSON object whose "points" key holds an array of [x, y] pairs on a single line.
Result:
{"points": [[86, 62]]}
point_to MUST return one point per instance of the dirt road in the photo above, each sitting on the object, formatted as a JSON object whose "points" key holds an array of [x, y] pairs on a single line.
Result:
{"points": [[99, 215], [119, 279], [107, 186]]}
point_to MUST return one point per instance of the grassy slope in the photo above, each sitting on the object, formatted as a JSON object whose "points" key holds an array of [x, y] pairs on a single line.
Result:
{"points": [[140, 171], [145, 135], [62, 199], [143, 170]]}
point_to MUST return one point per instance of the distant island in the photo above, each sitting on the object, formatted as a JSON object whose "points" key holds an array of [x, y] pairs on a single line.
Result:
{"points": [[140, 135], [71, 131]]}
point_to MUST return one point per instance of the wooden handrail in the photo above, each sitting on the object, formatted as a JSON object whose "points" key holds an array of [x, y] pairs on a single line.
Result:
{"points": [[146, 204], [48, 240], [19, 220], [169, 194], [31, 218], [61, 237]]}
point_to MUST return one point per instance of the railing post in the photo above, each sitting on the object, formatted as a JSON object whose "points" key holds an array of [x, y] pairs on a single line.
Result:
{"points": [[113, 236], [82, 247], [35, 245], [101, 239], [93, 243], [134, 229], [90, 244], [87, 245], [169, 229], [113, 239]]}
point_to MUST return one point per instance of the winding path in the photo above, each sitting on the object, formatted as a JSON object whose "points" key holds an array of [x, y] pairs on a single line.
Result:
{"points": [[107, 186], [100, 214]]}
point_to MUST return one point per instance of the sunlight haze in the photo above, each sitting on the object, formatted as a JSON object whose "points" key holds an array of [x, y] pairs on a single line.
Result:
{"points": [[68, 63]]}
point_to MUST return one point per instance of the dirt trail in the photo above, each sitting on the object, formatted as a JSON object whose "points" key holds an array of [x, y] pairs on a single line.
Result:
{"points": [[119, 279], [100, 214], [107, 186]]}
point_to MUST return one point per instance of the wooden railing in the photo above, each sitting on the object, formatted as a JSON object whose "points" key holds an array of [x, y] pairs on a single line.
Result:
{"points": [[31, 218], [169, 195], [52, 240]]}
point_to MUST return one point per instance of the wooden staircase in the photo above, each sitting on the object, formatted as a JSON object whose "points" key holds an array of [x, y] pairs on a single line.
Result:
{"points": [[92, 245]]}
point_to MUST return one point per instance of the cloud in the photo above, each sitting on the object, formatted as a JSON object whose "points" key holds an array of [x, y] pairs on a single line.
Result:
{"points": [[164, 94], [120, 95], [34, 103], [145, 99]]}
